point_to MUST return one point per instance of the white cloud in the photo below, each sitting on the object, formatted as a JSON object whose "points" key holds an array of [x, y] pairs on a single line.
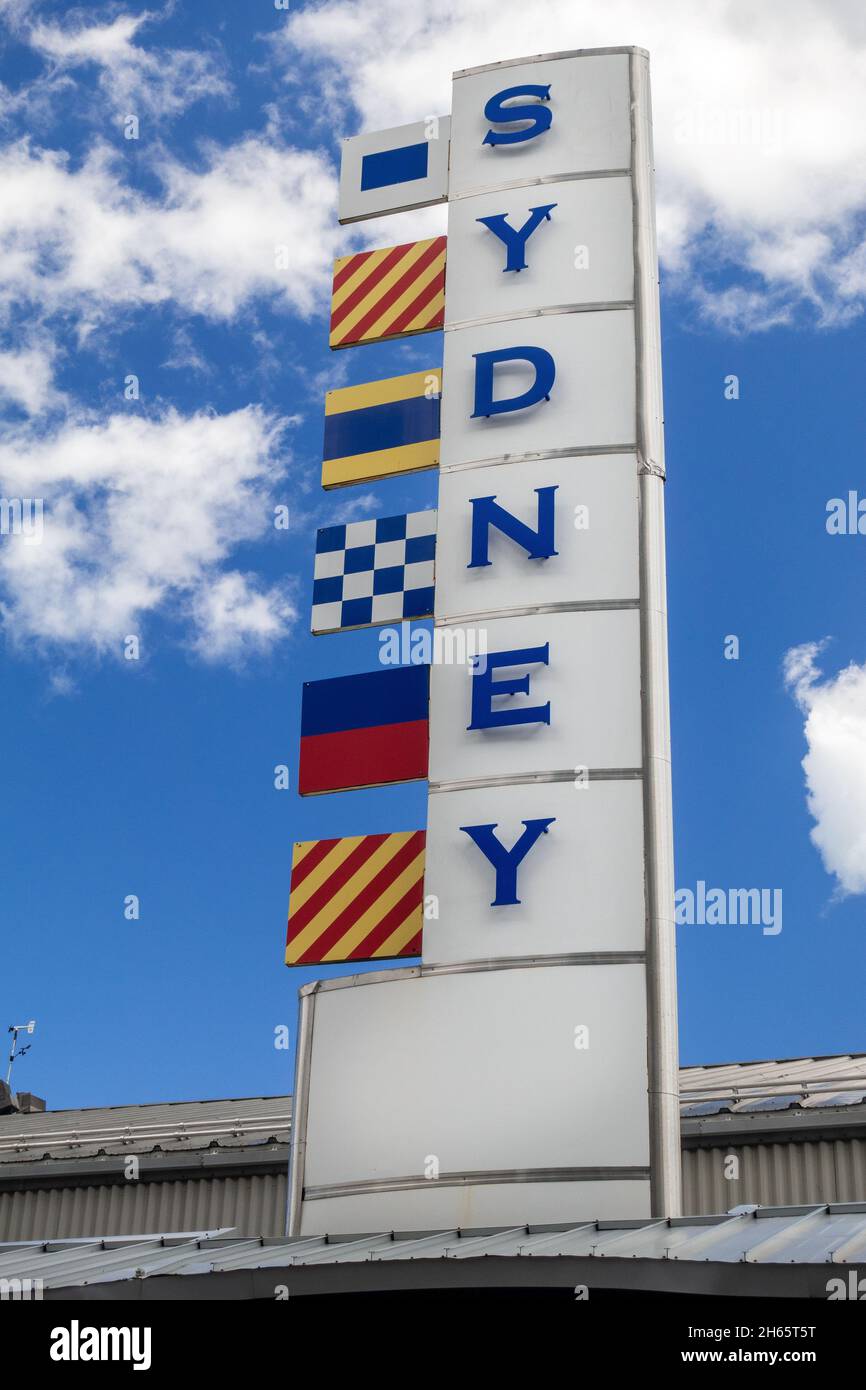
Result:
{"points": [[15, 10], [80, 240], [141, 515], [27, 377], [760, 136], [235, 615], [835, 765], [159, 82]]}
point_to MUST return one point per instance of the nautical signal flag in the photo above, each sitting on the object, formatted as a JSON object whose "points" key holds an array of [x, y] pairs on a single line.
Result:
{"points": [[364, 731], [377, 571], [356, 898], [394, 170], [388, 293], [382, 428]]}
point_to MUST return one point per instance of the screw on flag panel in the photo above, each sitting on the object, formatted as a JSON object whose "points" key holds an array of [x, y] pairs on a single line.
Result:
{"points": [[364, 731], [382, 428], [357, 898], [390, 293], [376, 571]]}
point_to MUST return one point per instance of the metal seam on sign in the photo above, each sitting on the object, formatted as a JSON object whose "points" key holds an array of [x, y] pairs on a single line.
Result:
{"points": [[626, 50], [585, 958], [371, 977], [405, 207], [537, 182], [538, 455], [300, 1109], [483, 1177], [407, 972], [589, 605], [602, 306], [530, 779]]}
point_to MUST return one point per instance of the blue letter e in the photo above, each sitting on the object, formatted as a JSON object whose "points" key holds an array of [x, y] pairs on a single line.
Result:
{"points": [[484, 688]]}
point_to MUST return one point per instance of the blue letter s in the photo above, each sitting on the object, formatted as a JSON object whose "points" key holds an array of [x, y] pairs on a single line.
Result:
{"points": [[500, 114]]}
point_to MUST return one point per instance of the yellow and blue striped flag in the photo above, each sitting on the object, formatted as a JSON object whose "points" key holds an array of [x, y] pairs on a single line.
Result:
{"points": [[382, 428]]}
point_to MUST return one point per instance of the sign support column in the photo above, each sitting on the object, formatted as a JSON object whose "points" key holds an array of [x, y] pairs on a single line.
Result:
{"points": [[662, 1038]]}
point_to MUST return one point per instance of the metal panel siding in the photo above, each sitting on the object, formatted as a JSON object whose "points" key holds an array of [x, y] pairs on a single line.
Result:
{"points": [[851, 1167], [252, 1205], [780, 1174]]}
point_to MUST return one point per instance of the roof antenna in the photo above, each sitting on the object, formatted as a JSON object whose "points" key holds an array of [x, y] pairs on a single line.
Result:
{"points": [[15, 1029]]}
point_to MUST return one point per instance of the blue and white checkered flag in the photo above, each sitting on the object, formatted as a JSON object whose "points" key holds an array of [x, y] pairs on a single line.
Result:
{"points": [[378, 571]]}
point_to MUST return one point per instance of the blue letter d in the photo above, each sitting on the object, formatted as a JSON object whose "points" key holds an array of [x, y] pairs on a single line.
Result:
{"points": [[485, 362]]}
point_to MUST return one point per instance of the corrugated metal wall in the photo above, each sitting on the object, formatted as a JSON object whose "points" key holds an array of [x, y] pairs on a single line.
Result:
{"points": [[256, 1205], [775, 1174], [772, 1174]]}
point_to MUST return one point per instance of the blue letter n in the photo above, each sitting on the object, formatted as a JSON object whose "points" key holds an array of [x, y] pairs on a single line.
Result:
{"points": [[486, 512]]}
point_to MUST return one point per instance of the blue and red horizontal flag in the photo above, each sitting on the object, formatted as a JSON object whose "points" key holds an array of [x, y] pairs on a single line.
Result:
{"points": [[364, 731]]}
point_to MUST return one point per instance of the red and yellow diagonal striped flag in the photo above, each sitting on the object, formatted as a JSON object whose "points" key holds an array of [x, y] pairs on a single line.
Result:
{"points": [[356, 898], [389, 293]]}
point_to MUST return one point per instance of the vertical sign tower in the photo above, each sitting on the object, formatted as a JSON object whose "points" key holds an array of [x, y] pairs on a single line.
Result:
{"points": [[527, 1070]]}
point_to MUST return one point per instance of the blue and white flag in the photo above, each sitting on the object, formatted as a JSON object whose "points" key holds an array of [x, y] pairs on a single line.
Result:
{"points": [[394, 170], [377, 571]]}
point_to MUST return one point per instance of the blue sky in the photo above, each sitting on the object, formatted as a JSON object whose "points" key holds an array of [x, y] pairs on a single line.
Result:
{"points": [[155, 257]]}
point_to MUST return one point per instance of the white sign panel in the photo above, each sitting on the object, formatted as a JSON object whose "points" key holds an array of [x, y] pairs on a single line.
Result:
{"points": [[581, 886], [580, 706], [583, 125], [528, 1070], [422, 1082], [394, 170], [594, 509], [580, 252], [591, 403]]}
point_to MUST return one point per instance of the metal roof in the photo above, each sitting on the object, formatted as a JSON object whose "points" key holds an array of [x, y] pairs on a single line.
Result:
{"points": [[798, 1084], [801, 1083], [684, 1255], [172, 1127]]}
